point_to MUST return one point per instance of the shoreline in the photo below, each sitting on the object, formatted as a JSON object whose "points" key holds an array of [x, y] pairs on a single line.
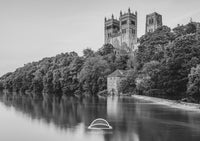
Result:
{"points": [[170, 103]]}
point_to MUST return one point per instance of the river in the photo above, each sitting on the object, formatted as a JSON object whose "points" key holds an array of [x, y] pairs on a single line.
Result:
{"points": [[66, 119]]}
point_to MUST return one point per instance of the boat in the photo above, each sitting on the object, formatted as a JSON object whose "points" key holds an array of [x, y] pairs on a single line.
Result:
{"points": [[100, 123]]}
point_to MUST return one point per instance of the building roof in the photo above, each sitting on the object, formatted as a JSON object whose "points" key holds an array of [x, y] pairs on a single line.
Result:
{"points": [[118, 73], [154, 13]]}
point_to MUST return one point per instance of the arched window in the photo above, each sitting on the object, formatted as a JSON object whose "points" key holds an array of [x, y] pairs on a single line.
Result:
{"points": [[124, 22], [133, 22], [133, 31], [151, 21]]}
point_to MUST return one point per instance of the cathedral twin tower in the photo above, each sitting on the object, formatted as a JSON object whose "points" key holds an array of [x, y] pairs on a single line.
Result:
{"points": [[122, 33]]}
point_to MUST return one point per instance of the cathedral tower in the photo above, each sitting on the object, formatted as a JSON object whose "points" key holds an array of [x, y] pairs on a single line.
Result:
{"points": [[128, 29], [153, 21], [111, 29], [122, 33]]}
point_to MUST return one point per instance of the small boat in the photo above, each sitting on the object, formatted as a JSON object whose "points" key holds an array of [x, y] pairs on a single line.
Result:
{"points": [[99, 123]]}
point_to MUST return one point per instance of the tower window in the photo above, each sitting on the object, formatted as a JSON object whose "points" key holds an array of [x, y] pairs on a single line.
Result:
{"points": [[123, 31], [133, 22], [109, 27], [124, 22], [151, 21], [109, 34], [151, 30], [133, 31]]}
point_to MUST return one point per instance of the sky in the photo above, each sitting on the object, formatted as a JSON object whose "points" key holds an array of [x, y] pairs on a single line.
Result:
{"points": [[33, 29]]}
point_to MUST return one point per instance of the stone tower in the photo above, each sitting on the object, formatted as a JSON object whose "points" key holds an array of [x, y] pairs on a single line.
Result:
{"points": [[153, 21], [111, 28], [121, 33], [128, 28]]}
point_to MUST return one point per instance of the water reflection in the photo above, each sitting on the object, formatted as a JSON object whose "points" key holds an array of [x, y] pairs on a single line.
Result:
{"points": [[132, 120]]}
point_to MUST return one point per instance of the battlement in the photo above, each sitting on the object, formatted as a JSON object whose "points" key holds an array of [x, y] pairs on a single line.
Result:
{"points": [[122, 15], [112, 19], [129, 13]]}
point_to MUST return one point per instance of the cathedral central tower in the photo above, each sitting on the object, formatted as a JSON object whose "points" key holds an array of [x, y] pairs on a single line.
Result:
{"points": [[122, 33]]}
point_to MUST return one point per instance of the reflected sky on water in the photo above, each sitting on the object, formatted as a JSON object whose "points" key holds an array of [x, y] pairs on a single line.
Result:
{"points": [[67, 118]]}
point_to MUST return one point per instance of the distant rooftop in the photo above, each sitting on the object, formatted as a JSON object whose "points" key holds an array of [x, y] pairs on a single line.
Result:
{"points": [[154, 13], [118, 73]]}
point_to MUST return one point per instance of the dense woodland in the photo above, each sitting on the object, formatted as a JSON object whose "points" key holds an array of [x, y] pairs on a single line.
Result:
{"points": [[166, 64], [67, 73]]}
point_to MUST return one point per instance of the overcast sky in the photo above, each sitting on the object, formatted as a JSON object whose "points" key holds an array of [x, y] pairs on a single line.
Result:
{"points": [[33, 29]]}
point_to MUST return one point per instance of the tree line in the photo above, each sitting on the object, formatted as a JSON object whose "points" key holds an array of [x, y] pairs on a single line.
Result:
{"points": [[67, 73], [166, 64]]}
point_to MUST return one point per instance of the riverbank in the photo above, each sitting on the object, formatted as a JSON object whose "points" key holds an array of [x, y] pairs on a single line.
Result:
{"points": [[170, 103]]}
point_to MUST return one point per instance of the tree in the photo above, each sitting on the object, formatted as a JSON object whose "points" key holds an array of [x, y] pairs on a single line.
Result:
{"points": [[185, 29], [191, 28], [7, 81], [88, 52], [152, 45], [47, 83], [180, 30], [128, 84], [151, 68], [193, 87], [148, 78], [121, 61], [132, 61], [182, 55], [56, 82], [93, 75], [143, 85], [106, 49], [37, 82], [1, 86]]}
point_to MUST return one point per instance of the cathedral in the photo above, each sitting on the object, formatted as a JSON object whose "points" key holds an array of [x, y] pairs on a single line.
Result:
{"points": [[122, 32]]}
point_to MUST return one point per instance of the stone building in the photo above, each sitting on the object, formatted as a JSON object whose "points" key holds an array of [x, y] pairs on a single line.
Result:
{"points": [[114, 79], [122, 32], [153, 21]]}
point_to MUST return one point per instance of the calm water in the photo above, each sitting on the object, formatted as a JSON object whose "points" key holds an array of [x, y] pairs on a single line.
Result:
{"points": [[67, 119]]}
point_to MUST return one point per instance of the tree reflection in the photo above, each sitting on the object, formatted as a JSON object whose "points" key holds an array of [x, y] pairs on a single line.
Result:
{"points": [[64, 112], [132, 120]]}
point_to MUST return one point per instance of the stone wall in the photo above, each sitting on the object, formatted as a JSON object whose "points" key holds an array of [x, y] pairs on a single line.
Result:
{"points": [[113, 84]]}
